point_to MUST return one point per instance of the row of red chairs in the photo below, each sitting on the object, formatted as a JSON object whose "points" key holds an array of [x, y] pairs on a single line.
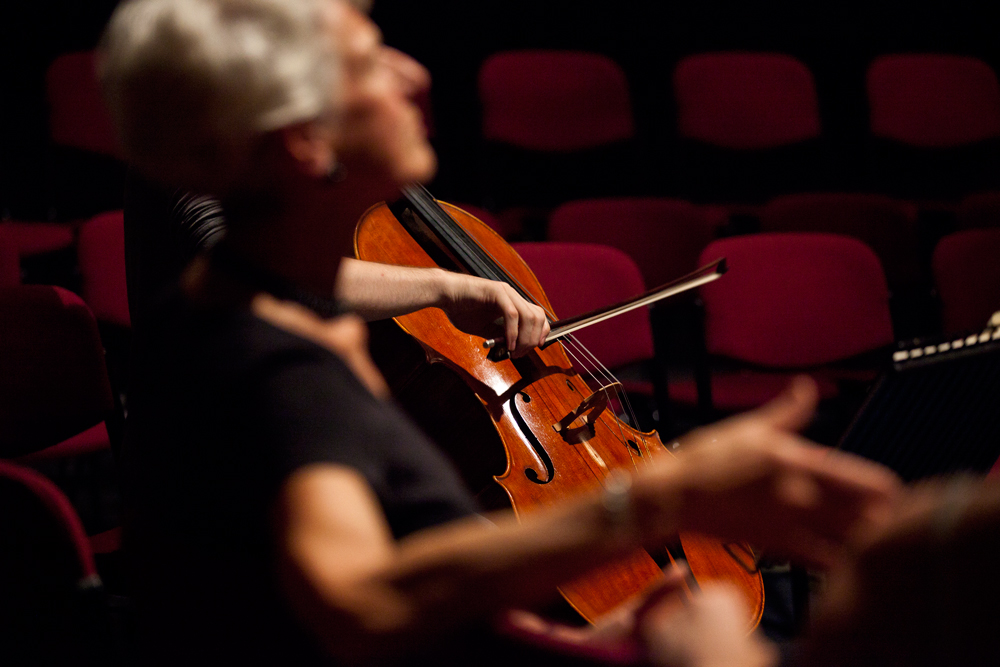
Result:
{"points": [[665, 236], [566, 101], [56, 406], [56, 398], [559, 125], [100, 254], [662, 239], [791, 301], [558, 101]]}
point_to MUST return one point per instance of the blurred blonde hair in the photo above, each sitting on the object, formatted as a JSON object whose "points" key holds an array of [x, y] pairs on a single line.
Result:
{"points": [[193, 84]]}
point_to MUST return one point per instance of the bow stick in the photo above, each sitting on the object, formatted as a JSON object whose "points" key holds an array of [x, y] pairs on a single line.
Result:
{"points": [[561, 328]]}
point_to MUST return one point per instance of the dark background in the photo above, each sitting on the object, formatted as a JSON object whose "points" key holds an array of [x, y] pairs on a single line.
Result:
{"points": [[835, 39]]}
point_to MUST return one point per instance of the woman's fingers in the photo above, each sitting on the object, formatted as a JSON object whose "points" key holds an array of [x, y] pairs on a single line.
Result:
{"points": [[709, 631], [531, 326], [793, 408]]}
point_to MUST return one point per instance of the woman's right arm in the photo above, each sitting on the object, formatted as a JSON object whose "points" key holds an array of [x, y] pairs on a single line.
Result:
{"points": [[369, 597]]}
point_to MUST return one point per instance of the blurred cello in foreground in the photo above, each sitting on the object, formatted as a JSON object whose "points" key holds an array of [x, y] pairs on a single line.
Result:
{"points": [[524, 432]]}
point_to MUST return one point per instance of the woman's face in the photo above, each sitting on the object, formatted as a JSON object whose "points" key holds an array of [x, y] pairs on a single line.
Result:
{"points": [[381, 139]]}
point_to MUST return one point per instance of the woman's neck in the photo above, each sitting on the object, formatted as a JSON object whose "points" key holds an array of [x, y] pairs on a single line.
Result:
{"points": [[301, 241]]}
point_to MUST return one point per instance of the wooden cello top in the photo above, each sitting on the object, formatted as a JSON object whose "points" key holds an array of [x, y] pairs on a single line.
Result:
{"points": [[528, 401]]}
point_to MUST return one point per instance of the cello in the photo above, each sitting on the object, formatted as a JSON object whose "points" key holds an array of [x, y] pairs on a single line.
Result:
{"points": [[527, 432]]}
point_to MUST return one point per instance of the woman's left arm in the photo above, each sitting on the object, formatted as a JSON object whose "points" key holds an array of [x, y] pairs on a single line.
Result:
{"points": [[475, 305]]}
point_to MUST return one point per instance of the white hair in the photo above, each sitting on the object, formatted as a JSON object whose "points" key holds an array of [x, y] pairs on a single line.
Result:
{"points": [[193, 84]]}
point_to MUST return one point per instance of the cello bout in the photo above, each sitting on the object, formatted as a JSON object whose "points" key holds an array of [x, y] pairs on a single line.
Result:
{"points": [[524, 432]]}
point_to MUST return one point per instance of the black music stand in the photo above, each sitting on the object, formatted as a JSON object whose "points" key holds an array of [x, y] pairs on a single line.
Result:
{"points": [[937, 411]]}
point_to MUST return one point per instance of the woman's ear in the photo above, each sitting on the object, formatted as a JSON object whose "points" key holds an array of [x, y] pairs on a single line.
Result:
{"points": [[310, 145]]}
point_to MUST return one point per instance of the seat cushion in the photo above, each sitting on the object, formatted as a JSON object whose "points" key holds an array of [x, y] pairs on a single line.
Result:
{"points": [[734, 391]]}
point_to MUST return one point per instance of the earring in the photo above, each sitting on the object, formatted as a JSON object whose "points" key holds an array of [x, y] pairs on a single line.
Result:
{"points": [[337, 173]]}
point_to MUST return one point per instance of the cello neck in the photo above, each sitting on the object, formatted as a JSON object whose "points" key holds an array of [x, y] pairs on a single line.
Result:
{"points": [[451, 240]]}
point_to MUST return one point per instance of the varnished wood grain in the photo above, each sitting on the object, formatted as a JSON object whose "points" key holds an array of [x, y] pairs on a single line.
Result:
{"points": [[536, 391]]}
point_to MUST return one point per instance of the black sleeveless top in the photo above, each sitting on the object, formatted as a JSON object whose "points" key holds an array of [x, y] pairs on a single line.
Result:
{"points": [[226, 408]]}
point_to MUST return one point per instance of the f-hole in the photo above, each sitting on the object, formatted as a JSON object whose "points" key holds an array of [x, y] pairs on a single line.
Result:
{"points": [[531, 473]]}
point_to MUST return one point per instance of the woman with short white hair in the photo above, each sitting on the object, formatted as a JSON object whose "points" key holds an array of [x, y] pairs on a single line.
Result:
{"points": [[192, 87], [280, 509]]}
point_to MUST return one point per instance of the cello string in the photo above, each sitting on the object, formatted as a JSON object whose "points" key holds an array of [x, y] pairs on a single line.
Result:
{"points": [[495, 267], [623, 441], [451, 234], [570, 341], [489, 266], [592, 365], [620, 436], [524, 292], [605, 372], [619, 394]]}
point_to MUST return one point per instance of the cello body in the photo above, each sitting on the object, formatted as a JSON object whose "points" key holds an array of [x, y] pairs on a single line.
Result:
{"points": [[497, 419]]}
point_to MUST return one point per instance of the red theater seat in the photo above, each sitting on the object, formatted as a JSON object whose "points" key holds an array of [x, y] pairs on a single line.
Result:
{"points": [[580, 277], [967, 274], [554, 100], [557, 126], [77, 115], [933, 100], [101, 253], [51, 597], [53, 380], [978, 210], [746, 100], [59, 512], [663, 236], [790, 302], [888, 226]]}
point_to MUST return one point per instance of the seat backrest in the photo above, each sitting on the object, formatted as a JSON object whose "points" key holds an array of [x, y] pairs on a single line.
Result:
{"points": [[53, 380], [966, 268], [746, 100], [933, 100], [78, 117], [10, 262], [887, 225], [501, 226], [663, 236], [580, 277], [36, 238], [554, 100], [46, 569], [795, 300], [36, 515], [978, 210], [101, 253]]}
